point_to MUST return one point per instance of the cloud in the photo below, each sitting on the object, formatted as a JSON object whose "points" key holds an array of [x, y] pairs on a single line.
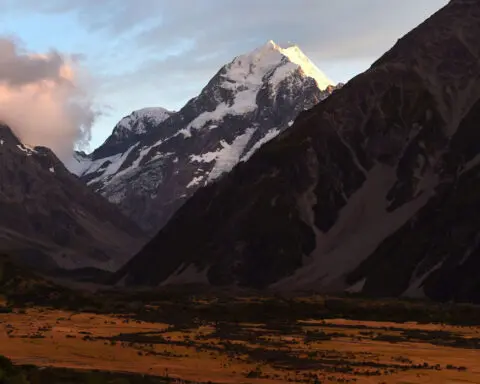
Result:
{"points": [[42, 100]]}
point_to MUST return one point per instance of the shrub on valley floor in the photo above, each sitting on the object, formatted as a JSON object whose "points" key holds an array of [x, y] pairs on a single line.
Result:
{"points": [[9, 374]]}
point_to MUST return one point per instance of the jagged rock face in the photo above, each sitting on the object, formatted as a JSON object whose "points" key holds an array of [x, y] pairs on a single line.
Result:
{"points": [[128, 131], [248, 102], [375, 190], [50, 219]]}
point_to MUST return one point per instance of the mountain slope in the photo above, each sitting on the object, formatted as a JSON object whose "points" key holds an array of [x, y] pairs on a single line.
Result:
{"points": [[375, 189], [50, 219], [248, 102]]}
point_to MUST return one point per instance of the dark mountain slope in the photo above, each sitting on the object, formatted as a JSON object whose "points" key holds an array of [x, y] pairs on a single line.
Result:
{"points": [[375, 189], [51, 219]]}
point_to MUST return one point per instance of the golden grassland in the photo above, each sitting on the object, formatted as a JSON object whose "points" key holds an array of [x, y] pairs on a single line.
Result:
{"points": [[303, 351]]}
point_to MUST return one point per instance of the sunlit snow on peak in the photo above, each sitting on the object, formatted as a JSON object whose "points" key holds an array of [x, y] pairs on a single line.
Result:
{"points": [[269, 65], [251, 68], [296, 56]]}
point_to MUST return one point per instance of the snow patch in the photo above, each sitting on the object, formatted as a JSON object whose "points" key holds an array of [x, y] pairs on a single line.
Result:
{"points": [[244, 102], [226, 157], [268, 136], [471, 164], [143, 152], [27, 149], [201, 120], [204, 158], [78, 164], [160, 155], [122, 281], [362, 225], [357, 287], [229, 155], [195, 181], [415, 289], [188, 275], [107, 166]]}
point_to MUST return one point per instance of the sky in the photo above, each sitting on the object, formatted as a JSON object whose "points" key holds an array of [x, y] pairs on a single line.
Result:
{"points": [[131, 54]]}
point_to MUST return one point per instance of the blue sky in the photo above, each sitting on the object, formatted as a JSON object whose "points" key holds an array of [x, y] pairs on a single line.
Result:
{"points": [[142, 53]]}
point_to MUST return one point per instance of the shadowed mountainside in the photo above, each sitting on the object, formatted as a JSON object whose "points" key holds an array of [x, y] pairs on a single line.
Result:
{"points": [[50, 219], [374, 190]]}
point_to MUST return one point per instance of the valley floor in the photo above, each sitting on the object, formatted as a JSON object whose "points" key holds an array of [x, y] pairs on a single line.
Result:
{"points": [[226, 351]]}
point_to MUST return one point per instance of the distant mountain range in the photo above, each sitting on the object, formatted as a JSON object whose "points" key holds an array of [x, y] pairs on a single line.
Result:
{"points": [[374, 190], [50, 220], [155, 159]]}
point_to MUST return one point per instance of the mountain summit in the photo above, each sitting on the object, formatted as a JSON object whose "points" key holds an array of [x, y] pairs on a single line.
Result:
{"points": [[126, 133], [150, 173], [253, 66], [138, 122], [268, 57]]}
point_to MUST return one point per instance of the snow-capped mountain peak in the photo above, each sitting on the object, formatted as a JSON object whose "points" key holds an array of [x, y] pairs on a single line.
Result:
{"points": [[137, 121], [241, 84], [269, 59], [150, 171]]}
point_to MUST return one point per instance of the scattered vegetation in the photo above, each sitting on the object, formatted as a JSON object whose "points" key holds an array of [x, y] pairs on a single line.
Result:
{"points": [[244, 334]]}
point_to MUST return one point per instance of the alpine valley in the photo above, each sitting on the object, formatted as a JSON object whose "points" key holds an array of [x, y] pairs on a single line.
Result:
{"points": [[156, 159], [374, 190], [275, 229]]}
